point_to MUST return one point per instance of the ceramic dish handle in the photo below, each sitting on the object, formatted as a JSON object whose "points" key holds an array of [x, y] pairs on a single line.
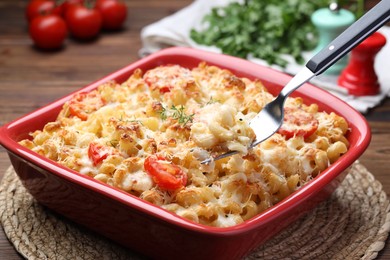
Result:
{"points": [[352, 36]]}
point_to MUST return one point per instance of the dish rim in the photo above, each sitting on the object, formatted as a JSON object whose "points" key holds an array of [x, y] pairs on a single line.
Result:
{"points": [[362, 140]]}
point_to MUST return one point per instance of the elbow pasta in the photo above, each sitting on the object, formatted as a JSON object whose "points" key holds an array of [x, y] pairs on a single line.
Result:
{"points": [[148, 135]]}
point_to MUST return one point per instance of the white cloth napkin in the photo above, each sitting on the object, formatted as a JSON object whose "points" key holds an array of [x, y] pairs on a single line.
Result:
{"points": [[174, 30]]}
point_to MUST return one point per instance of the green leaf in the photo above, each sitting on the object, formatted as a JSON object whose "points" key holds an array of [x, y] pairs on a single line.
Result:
{"points": [[263, 28]]}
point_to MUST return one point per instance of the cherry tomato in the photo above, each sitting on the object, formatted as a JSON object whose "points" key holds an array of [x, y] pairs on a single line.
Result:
{"points": [[48, 31], [298, 122], [84, 23], [68, 3], [97, 152], [165, 174], [164, 78], [82, 104], [41, 7], [113, 12]]}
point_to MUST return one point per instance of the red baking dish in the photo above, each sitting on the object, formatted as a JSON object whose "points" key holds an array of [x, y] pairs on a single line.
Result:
{"points": [[149, 229]]}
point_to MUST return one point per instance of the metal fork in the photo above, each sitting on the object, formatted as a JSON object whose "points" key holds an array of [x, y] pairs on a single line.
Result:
{"points": [[270, 118]]}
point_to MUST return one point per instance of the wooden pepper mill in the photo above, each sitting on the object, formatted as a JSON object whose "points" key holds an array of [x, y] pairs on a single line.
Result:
{"points": [[359, 77]]}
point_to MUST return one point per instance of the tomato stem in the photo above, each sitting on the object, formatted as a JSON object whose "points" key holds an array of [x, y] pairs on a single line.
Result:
{"points": [[89, 4], [59, 2]]}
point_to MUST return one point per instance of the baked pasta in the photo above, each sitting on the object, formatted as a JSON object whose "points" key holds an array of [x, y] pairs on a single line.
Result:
{"points": [[148, 136]]}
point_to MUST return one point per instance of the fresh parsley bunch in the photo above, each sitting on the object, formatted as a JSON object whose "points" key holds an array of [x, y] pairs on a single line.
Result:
{"points": [[263, 28]]}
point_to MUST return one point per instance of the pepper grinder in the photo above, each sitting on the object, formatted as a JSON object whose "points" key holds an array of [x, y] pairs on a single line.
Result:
{"points": [[359, 77], [330, 22]]}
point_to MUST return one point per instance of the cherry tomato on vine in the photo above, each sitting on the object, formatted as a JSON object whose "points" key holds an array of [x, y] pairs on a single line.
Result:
{"points": [[48, 31], [84, 23], [41, 7], [298, 122], [68, 3], [113, 12], [165, 174]]}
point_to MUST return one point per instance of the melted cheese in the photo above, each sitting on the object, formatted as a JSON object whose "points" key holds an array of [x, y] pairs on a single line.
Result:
{"points": [[186, 116]]}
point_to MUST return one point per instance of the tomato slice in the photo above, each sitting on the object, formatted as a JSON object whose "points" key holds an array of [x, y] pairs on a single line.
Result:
{"points": [[298, 122], [164, 78], [84, 103], [165, 174], [97, 152]]}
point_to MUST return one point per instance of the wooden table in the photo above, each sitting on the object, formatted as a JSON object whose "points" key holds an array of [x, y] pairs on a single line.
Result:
{"points": [[30, 78]]}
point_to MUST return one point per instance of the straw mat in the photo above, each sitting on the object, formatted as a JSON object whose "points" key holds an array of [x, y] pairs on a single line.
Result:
{"points": [[352, 224]]}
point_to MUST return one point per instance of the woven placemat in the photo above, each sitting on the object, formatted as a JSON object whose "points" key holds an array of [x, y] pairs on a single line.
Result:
{"points": [[352, 224]]}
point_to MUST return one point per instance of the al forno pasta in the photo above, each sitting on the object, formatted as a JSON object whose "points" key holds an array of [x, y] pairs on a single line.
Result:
{"points": [[148, 136]]}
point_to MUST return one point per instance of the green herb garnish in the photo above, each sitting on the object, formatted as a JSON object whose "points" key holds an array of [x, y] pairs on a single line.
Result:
{"points": [[163, 113], [176, 113], [135, 120], [112, 142], [181, 116], [212, 101]]}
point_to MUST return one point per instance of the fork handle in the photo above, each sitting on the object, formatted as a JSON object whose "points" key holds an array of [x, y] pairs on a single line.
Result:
{"points": [[352, 36]]}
